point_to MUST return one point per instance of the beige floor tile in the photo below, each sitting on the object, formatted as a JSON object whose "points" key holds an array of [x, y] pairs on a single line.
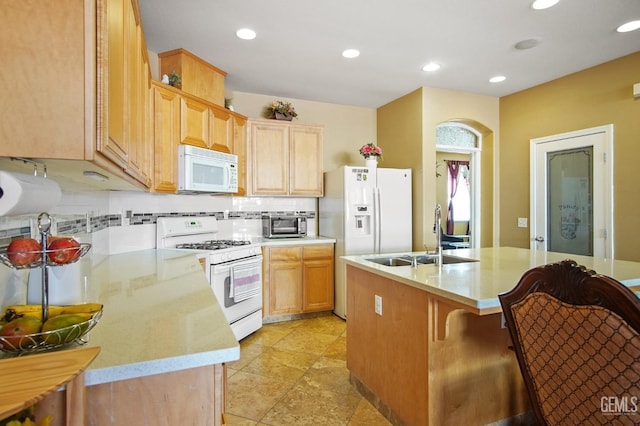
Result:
{"points": [[331, 375], [338, 349], [294, 373], [367, 415], [247, 354], [303, 405], [251, 396], [268, 335], [238, 421], [281, 364], [328, 324], [304, 341]]}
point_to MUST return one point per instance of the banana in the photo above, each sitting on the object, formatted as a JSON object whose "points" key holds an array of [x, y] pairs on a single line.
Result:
{"points": [[83, 308], [16, 311]]}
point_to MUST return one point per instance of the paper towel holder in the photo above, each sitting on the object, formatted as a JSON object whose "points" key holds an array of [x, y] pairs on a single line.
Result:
{"points": [[35, 165]]}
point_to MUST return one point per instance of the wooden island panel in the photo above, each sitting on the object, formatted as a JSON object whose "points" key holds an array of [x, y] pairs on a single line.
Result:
{"points": [[194, 396], [426, 361]]}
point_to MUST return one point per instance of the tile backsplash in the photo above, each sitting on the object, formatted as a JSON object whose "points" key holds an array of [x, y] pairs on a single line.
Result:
{"points": [[98, 216]]}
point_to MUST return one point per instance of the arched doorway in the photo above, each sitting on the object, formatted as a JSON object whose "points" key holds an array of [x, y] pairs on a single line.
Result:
{"points": [[458, 166]]}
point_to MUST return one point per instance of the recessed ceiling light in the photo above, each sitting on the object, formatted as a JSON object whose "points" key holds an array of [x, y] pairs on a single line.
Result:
{"points": [[246, 34], [527, 44], [351, 53], [629, 26], [497, 79], [431, 66], [543, 4]]}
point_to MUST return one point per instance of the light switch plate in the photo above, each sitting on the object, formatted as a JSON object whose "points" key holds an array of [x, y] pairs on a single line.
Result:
{"points": [[522, 222]]}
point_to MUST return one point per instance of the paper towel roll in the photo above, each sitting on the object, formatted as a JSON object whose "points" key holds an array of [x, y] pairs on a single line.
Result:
{"points": [[26, 194]]}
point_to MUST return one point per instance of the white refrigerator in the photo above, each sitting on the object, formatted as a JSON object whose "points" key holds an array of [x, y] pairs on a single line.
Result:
{"points": [[368, 211]]}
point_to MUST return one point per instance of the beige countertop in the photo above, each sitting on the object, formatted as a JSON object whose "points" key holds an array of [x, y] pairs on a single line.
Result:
{"points": [[477, 284], [160, 315]]}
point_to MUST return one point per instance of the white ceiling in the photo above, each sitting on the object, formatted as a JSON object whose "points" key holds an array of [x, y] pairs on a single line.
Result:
{"points": [[297, 52]]}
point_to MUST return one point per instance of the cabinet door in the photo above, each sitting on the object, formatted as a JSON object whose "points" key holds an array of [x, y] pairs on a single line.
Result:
{"points": [[115, 146], [282, 280], [222, 129], [47, 83], [269, 154], [240, 149], [306, 161], [137, 72], [166, 136], [317, 278], [285, 288], [194, 123]]}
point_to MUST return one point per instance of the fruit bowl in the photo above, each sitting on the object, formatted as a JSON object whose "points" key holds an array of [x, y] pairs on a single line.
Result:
{"points": [[49, 340], [34, 258]]}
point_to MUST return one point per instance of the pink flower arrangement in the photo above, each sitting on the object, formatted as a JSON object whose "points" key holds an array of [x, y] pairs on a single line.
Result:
{"points": [[371, 150]]}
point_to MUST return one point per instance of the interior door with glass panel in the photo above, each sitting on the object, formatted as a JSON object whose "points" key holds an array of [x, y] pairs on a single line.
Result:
{"points": [[571, 193]]}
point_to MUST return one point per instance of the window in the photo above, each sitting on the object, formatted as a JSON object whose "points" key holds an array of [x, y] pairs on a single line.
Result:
{"points": [[461, 200]]}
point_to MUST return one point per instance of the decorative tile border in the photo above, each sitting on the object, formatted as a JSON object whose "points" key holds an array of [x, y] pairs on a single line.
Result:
{"points": [[98, 223]]}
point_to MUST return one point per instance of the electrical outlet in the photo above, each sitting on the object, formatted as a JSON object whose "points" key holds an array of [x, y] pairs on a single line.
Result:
{"points": [[378, 304], [126, 217], [522, 222]]}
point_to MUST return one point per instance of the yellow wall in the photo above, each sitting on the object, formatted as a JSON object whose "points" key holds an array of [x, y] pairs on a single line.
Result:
{"points": [[400, 137], [409, 124], [593, 97]]}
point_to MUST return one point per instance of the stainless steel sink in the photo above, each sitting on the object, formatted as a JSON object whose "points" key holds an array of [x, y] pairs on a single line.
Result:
{"points": [[391, 261], [446, 259], [423, 259]]}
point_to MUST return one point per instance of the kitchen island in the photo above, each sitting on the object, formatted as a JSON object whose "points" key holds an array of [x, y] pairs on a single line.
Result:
{"points": [[435, 352], [164, 343]]}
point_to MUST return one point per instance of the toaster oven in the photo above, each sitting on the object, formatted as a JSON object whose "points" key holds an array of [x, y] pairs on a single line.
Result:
{"points": [[283, 226]]}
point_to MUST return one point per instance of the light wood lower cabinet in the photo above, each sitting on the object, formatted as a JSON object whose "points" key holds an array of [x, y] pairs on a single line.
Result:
{"points": [[297, 279], [194, 396]]}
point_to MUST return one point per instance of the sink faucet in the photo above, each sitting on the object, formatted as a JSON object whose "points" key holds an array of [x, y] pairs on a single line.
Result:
{"points": [[437, 229]]}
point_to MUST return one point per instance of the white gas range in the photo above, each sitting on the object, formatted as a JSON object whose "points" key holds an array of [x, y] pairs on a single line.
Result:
{"points": [[233, 267]]}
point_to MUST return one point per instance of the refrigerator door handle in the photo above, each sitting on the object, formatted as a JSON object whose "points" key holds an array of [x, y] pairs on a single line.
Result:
{"points": [[377, 221]]}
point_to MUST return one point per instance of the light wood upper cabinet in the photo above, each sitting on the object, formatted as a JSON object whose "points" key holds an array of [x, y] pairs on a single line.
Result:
{"points": [[305, 161], [76, 86], [240, 149], [166, 135], [125, 90], [49, 77], [221, 129], [285, 158], [180, 118], [199, 77], [194, 123]]}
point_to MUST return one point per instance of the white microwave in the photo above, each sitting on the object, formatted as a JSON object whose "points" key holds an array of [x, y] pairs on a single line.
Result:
{"points": [[204, 170]]}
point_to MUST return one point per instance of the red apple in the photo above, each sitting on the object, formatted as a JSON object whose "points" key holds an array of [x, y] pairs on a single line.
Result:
{"points": [[63, 250], [12, 333], [23, 251]]}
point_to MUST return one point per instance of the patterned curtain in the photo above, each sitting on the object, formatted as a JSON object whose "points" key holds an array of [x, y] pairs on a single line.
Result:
{"points": [[454, 170]]}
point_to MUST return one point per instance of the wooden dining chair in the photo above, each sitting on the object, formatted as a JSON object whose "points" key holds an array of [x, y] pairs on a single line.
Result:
{"points": [[576, 335]]}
